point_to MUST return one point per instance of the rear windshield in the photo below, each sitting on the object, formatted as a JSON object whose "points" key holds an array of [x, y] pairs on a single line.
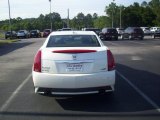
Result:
{"points": [[112, 30], [46, 30], [138, 30], [121, 29], [34, 31], [21, 31], [73, 41], [8, 32], [147, 29]]}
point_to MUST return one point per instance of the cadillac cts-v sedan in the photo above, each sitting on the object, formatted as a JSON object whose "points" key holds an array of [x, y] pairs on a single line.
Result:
{"points": [[73, 63]]}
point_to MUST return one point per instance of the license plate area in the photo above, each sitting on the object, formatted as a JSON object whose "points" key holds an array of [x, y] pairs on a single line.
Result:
{"points": [[74, 67]]}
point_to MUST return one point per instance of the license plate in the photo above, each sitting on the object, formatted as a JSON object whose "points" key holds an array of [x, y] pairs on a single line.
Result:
{"points": [[74, 67]]}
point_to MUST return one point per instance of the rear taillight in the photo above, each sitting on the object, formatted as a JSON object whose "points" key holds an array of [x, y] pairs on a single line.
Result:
{"points": [[37, 62], [111, 63]]}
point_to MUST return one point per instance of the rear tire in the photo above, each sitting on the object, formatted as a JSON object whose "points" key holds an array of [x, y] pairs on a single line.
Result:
{"points": [[116, 38], [141, 38]]}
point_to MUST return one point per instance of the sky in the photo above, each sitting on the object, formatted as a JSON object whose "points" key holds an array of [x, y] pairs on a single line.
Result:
{"points": [[33, 8]]}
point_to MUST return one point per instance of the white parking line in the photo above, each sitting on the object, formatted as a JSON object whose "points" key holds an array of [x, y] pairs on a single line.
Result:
{"points": [[138, 42], [140, 92], [9, 100], [115, 44], [136, 58]]}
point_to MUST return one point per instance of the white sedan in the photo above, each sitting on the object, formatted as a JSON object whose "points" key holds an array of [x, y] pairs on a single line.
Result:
{"points": [[73, 63]]}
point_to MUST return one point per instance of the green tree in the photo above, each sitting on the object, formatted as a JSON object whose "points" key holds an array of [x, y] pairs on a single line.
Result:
{"points": [[101, 22], [88, 21], [113, 12], [155, 6]]}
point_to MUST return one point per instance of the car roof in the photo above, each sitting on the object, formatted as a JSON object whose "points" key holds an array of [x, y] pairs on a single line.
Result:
{"points": [[73, 33]]}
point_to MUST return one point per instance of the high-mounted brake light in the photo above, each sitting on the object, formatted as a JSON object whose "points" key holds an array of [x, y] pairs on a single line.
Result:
{"points": [[111, 63], [74, 51], [37, 62]]}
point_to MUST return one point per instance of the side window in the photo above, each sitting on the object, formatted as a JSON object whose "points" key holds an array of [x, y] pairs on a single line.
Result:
{"points": [[126, 30], [104, 30]]}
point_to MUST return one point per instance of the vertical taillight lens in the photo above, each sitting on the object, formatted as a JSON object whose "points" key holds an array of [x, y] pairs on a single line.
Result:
{"points": [[111, 63], [37, 62]]}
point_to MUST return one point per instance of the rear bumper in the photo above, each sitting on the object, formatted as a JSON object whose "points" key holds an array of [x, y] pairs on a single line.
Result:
{"points": [[157, 35], [21, 35], [71, 84], [111, 36], [137, 36], [78, 91]]}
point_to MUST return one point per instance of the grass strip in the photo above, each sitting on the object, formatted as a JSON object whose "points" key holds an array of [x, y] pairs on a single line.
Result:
{"points": [[8, 41]]}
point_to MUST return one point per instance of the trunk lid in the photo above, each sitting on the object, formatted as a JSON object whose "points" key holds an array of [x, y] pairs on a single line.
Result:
{"points": [[74, 60]]}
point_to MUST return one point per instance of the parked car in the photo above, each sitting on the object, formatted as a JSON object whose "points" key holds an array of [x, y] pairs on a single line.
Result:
{"points": [[146, 30], [10, 34], [120, 31], [23, 34], [156, 34], [108, 34], [153, 29], [46, 32], [96, 30], [133, 33], [73, 63], [35, 33]]}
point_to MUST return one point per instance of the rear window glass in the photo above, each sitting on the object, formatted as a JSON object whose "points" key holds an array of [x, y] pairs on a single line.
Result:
{"points": [[21, 31], [46, 30], [112, 30], [147, 29], [33, 31], [138, 30], [73, 41]]}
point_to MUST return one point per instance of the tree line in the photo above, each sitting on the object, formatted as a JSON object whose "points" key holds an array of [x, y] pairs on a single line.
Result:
{"points": [[144, 14]]}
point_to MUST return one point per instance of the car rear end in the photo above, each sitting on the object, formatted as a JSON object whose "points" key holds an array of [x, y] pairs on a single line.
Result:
{"points": [[8, 34], [137, 33], [146, 31], [72, 67], [157, 33], [111, 34], [34, 33], [46, 32], [21, 33]]}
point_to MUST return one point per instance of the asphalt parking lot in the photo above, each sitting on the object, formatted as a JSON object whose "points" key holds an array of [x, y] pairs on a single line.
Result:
{"points": [[136, 96]]}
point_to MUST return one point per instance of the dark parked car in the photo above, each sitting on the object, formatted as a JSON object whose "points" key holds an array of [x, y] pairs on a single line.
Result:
{"points": [[35, 33], [23, 34], [133, 33], [96, 30], [109, 34], [156, 34], [10, 34], [46, 32]]}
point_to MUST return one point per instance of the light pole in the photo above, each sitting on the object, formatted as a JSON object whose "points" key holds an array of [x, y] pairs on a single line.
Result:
{"points": [[68, 19], [9, 18], [50, 15], [120, 17], [112, 14]]}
